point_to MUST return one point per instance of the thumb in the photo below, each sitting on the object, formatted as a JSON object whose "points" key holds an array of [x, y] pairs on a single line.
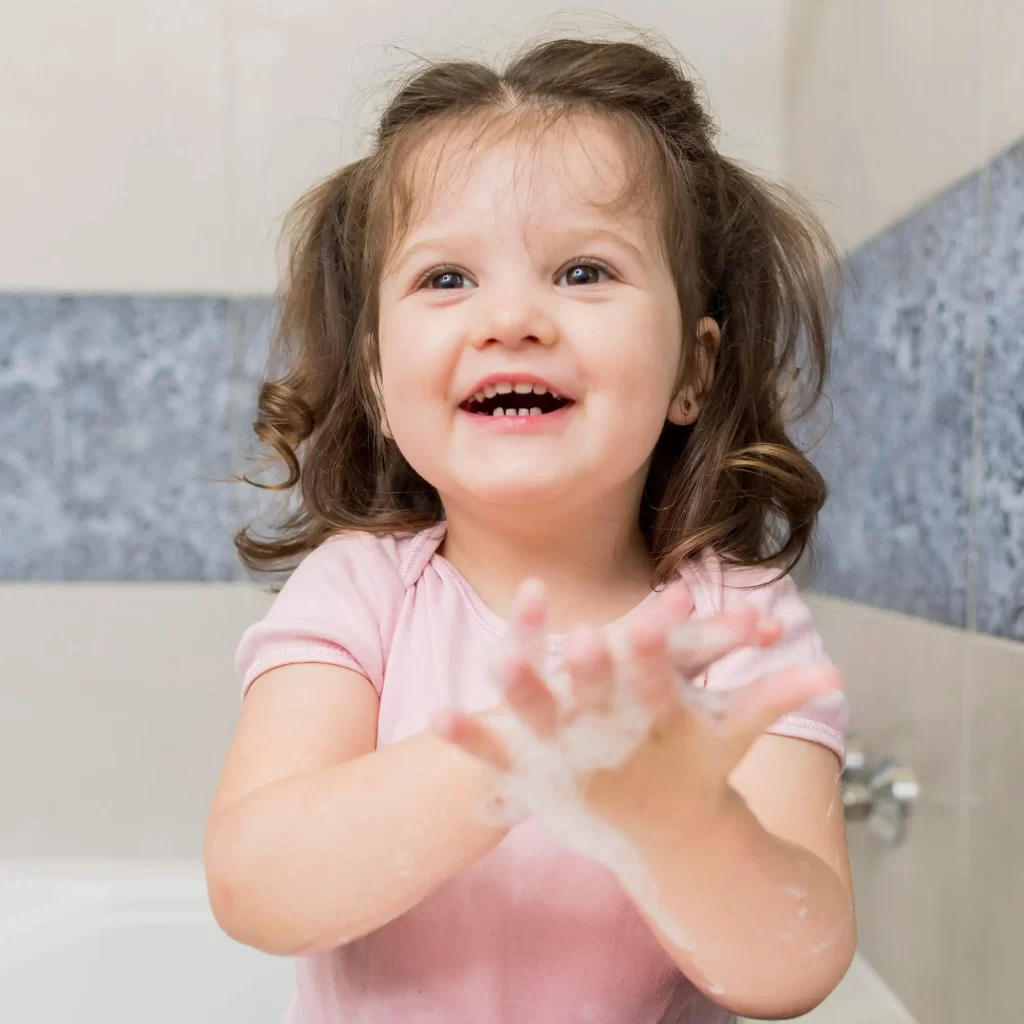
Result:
{"points": [[760, 705]]}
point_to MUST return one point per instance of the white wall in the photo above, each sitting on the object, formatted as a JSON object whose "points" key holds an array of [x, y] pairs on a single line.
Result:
{"points": [[152, 147]]}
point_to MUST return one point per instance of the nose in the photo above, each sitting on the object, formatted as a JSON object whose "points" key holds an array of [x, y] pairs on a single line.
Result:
{"points": [[514, 319]]}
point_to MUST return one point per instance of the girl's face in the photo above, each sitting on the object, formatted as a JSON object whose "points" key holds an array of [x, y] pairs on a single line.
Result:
{"points": [[519, 270]]}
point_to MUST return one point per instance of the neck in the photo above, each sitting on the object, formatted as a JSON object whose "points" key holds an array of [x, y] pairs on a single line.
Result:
{"points": [[594, 564]]}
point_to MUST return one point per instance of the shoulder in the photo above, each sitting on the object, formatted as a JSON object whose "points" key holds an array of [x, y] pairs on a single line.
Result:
{"points": [[354, 550], [375, 565], [717, 585], [340, 605]]}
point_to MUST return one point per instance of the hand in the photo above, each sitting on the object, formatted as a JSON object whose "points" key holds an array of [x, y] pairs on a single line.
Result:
{"points": [[621, 733]]}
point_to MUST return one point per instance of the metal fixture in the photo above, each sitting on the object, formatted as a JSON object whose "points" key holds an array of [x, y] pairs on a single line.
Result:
{"points": [[882, 795]]}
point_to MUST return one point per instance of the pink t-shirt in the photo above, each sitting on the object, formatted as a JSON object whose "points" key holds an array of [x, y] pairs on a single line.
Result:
{"points": [[531, 931]]}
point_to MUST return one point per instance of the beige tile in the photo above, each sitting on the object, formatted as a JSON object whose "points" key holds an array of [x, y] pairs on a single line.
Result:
{"points": [[997, 727], [993, 889], [112, 117], [885, 105], [306, 80], [906, 910], [119, 701], [1003, 73], [904, 678]]}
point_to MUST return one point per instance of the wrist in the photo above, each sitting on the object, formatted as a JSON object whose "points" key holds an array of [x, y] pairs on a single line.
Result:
{"points": [[495, 808], [681, 822]]}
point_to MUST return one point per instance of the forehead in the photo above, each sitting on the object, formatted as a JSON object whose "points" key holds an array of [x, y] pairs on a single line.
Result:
{"points": [[530, 172]]}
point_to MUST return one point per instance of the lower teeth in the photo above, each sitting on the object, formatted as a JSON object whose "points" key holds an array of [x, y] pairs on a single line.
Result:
{"points": [[517, 412], [502, 411]]}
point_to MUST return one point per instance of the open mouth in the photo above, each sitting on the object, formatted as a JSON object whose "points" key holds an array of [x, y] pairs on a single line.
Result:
{"points": [[520, 399]]}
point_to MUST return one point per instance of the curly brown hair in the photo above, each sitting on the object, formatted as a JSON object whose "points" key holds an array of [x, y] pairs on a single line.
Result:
{"points": [[745, 252]]}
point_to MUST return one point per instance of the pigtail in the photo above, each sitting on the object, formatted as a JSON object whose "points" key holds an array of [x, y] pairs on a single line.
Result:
{"points": [[319, 313], [744, 486]]}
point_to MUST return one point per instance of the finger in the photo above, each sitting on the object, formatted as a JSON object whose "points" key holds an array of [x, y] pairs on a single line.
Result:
{"points": [[677, 603], [653, 679], [697, 643], [591, 669], [527, 695], [473, 736], [760, 705], [529, 615]]}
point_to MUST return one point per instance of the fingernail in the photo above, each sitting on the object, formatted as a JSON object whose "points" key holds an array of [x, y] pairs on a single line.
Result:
{"points": [[829, 699]]}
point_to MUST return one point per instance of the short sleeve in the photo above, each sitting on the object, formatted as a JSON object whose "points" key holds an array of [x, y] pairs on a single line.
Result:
{"points": [[338, 607], [825, 722]]}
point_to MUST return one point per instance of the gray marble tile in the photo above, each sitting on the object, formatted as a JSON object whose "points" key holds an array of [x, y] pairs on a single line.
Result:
{"points": [[115, 418], [251, 324], [1000, 532], [898, 454]]}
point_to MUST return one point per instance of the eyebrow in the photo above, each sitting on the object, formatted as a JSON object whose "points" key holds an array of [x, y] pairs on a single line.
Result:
{"points": [[565, 238]]}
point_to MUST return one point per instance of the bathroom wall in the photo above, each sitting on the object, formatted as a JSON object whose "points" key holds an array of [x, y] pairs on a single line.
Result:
{"points": [[888, 103], [150, 152], [155, 149], [155, 146], [906, 125]]}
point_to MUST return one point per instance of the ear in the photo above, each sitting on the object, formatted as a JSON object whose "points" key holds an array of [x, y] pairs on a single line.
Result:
{"points": [[687, 405]]}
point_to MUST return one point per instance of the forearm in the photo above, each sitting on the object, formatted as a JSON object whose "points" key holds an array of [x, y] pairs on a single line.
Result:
{"points": [[315, 860], [770, 926]]}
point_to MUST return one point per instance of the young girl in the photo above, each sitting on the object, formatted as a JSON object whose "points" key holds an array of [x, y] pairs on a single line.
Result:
{"points": [[539, 342]]}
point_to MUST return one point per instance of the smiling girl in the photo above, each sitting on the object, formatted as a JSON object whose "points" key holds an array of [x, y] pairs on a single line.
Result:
{"points": [[538, 346]]}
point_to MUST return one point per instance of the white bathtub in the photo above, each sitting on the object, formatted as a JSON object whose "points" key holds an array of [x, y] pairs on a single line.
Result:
{"points": [[135, 943]]}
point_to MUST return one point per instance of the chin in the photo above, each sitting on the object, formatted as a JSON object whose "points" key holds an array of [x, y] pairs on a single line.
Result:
{"points": [[514, 491]]}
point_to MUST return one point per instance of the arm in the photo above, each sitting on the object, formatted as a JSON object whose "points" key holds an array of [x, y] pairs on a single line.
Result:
{"points": [[771, 913], [315, 838], [739, 829]]}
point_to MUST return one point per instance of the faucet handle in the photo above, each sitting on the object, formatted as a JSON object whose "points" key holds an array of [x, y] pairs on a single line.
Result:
{"points": [[883, 795], [894, 788], [856, 756], [896, 782], [857, 800]]}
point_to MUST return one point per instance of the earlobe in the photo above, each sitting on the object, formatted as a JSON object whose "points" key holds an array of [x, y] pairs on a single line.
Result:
{"points": [[685, 407]]}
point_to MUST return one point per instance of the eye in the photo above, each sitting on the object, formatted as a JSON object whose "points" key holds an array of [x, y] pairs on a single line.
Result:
{"points": [[448, 278], [584, 272]]}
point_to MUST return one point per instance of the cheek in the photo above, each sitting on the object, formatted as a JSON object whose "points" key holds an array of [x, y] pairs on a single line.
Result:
{"points": [[414, 370], [639, 357], [408, 363]]}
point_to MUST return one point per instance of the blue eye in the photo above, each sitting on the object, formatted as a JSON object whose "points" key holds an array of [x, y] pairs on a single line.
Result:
{"points": [[583, 273], [448, 278]]}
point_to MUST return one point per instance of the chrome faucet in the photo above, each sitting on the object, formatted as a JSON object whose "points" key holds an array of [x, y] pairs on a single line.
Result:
{"points": [[883, 795]]}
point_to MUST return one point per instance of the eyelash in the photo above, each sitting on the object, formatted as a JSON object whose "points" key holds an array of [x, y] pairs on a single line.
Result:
{"points": [[450, 268]]}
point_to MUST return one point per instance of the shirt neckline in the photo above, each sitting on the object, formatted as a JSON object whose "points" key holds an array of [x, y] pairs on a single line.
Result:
{"points": [[489, 618]]}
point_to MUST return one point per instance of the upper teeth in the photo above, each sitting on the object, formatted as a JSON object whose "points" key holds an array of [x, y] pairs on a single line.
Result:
{"points": [[507, 387]]}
